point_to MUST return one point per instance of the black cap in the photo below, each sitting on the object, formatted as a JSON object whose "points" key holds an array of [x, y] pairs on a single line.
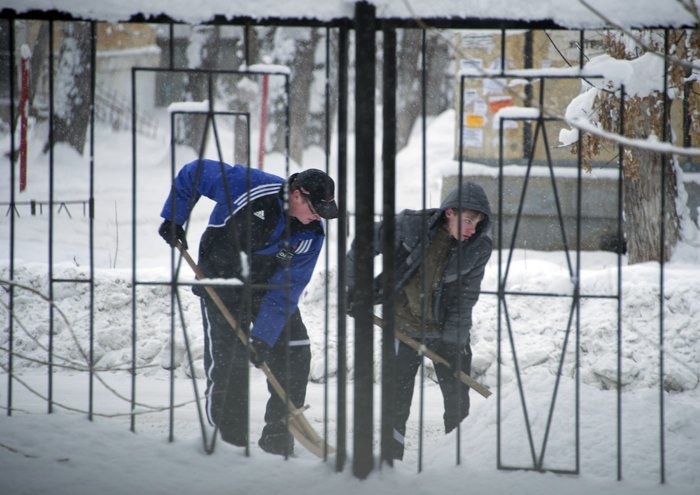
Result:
{"points": [[319, 188]]}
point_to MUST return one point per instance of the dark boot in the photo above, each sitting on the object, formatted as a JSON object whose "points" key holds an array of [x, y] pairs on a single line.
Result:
{"points": [[229, 435], [276, 439]]}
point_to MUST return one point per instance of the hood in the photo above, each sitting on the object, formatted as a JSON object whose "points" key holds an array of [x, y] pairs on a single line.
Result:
{"points": [[470, 196]]}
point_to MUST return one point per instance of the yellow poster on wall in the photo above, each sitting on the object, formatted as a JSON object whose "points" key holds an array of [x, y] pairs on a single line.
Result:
{"points": [[474, 120]]}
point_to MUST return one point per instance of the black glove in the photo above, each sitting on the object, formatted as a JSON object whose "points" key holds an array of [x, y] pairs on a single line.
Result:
{"points": [[259, 351], [172, 232], [350, 306]]}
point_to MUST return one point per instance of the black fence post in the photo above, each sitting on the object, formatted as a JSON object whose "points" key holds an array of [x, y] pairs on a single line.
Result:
{"points": [[365, 57], [389, 79], [341, 420]]}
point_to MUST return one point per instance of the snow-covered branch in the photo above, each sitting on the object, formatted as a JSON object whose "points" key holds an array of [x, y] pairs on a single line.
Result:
{"points": [[651, 143], [617, 25]]}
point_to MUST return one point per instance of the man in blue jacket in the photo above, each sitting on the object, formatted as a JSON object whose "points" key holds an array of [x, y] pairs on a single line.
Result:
{"points": [[438, 281], [268, 232]]}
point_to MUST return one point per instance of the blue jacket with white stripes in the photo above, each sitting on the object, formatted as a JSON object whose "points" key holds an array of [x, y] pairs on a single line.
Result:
{"points": [[249, 234]]}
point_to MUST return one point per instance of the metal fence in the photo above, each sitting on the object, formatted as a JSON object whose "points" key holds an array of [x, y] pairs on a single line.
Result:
{"points": [[362, 32]]}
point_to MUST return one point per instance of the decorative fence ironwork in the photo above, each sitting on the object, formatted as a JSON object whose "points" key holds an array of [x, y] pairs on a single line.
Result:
{"points": [[366, 27]]}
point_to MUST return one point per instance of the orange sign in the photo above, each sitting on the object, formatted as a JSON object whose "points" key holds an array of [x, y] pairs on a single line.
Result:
{"points": [[497, 103]]}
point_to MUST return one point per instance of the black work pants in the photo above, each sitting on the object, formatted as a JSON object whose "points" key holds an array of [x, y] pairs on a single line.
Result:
{"points": [[226, 363], [455, 394]]}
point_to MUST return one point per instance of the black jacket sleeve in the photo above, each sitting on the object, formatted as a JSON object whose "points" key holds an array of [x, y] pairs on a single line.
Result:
{"points": [[461, 291]]}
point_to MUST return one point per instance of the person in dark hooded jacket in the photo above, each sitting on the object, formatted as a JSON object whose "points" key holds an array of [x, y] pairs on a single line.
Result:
{"points": [[438, 282]]}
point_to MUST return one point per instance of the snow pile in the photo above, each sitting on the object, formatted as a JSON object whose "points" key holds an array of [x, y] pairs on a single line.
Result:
{"points": [[539, 336]]}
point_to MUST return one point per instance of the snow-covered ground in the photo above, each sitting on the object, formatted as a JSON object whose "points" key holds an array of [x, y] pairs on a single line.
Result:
{"points": [[64, 453]]}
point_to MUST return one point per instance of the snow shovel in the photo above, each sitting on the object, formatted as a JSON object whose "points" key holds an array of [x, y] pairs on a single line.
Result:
{"points": [[297, 423], [435, 358]]}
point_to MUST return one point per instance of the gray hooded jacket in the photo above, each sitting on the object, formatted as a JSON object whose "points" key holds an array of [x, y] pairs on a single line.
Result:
{"points": [[460, 286]]}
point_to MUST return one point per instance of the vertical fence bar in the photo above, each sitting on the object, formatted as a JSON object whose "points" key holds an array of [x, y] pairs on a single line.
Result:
{"points": [[287, 124], [341, 392], [664, 164], [577, 365], [527, 64], [503, 51], [171, 45], [174, 274], [91, 218], [133, 247], [263, 120], [424, 236], [620, 206], [326, 281], [389, 224], [460, 395], [249, 241], [248, 287], [23, 107], [51, 179], [577, 304], [501, 284], [365, 58], [174, 299], [11, 333], [287, 235]]}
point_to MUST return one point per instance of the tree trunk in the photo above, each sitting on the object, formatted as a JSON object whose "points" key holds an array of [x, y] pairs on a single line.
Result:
{"points": [[643, 209], [38, 63], [301, 85], [408, 91], [202, 53], [242, 103], [643, 195], [316, 125], [439, 81], [72, 83]]}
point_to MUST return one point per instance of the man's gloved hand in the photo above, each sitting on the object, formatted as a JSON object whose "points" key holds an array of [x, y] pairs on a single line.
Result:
{"points": [[259, 351], [172, 232]]}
